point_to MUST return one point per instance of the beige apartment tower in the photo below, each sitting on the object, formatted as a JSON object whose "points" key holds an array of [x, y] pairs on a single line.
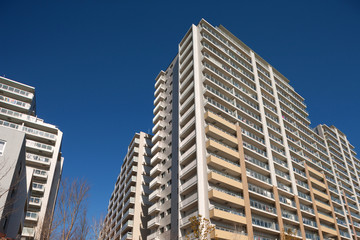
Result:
{"points": [[128, 206], [232, 142], [36, 145]]}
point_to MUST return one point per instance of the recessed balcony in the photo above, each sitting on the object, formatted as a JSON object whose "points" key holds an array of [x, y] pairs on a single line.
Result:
{"points": [[32, 216], [38, 188], [35, 202], [37, 160], [28, 232], [40, 174]]}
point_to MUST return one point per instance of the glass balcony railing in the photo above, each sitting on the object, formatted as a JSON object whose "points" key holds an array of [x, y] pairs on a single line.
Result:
{"points": [[256, 149], [263, 223], [305, 196], [259, 190], [262, 206], [309, 222], [258, 176], [289, 215], [256, 162], [306, 208], [280, 162]]}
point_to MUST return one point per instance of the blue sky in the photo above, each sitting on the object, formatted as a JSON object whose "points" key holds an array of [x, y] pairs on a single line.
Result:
{"points": [[93, 65]]}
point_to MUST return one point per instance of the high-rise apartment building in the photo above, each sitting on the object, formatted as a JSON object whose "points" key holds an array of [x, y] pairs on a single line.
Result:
{"points": [[127, 215], [232, 142], [42, 156]]}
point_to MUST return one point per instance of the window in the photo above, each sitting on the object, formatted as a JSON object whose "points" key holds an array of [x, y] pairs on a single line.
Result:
{"points": [[162, 215], [2, 147], [168, 227], [168, 211]]}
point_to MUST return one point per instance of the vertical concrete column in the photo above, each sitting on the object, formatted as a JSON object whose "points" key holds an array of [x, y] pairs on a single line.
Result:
{"points": [[350, 217], [314, 203], [278, 208], [332, 208], [263, 121], [202, 184], [302, 229], [249, 227]]}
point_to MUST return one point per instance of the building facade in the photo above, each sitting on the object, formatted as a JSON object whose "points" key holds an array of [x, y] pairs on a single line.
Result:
{"points": [[13, 192], [127, 215], [232, 142], [43, 158]]}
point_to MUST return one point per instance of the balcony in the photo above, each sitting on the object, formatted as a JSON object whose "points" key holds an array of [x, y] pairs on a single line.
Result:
{"points": [[223, 195], [153, 223], [160, 80], [31, 216], [127, 235], [160, 97], [160, 89], [127, 226], [188, 185], [218, 133], [40, 174], [184, 221], [222, 213], [37, 160], [155, 195], [160, 125], [35, 202], [155, 183], [158, 157], [15, 104], [227, 152], [158, 136], [159, 116], [41, 147], [38, 188], [262, 225], [28, 232], [129, 213], [230, 127], [329, 230], [224, 181], [155, 171], [188, 202], [189, 170], [158, 147], [224, 164], [155, 208]]}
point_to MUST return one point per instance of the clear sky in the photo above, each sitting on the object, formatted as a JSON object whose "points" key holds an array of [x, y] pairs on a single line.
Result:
{"points": [[93, 64]]}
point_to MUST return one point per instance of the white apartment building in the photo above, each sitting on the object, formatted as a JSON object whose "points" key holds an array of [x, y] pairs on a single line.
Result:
{"points": [[232, 142], [42, 155], [127, 216]]}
